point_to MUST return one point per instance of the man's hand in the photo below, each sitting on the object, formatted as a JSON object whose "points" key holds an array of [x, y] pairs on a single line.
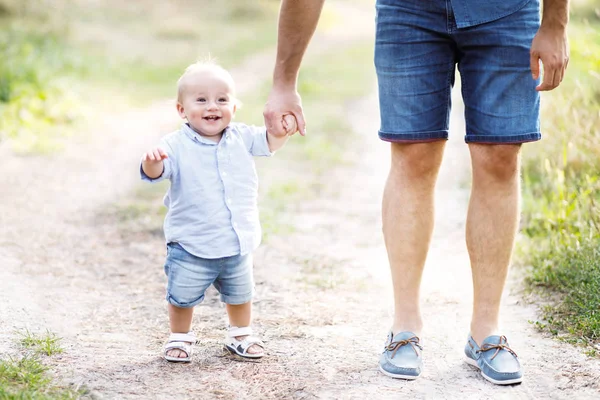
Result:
{"points": [[551, 46], [282, 103], [297, 23]]}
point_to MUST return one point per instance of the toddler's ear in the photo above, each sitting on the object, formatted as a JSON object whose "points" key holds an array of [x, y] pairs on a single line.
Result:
{"points": [[180, 110]]}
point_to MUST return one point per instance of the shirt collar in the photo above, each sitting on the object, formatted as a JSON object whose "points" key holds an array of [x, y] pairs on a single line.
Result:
{"points": [[189, 132]]}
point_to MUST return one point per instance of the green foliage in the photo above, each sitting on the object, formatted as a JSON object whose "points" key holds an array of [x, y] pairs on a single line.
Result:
{"points": [[27, 378], [27, 372], [34, 94], [561, 204]]}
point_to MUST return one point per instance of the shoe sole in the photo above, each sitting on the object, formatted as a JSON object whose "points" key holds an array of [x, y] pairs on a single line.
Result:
{"points": [[407, 377], [178, 359], [473, 363], [249, 356]]}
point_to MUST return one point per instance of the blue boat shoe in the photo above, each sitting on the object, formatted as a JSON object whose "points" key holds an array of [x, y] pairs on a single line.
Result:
{"points": [[401, 357], [497, 362]]}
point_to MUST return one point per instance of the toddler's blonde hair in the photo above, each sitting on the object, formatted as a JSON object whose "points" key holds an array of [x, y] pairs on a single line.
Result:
{"points": [[207, 64]]}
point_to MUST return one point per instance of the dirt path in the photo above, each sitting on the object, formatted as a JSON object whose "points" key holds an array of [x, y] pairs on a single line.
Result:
{"points": [[323, 300]]}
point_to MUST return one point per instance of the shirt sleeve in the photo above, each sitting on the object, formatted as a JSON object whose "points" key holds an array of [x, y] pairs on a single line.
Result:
{"points": [[168, 165], [255, 139]]}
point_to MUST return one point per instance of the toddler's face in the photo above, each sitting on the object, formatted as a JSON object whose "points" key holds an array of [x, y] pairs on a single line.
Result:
{"points": [[207, 102]]}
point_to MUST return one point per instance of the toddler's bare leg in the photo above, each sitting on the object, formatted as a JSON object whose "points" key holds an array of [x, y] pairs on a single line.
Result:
{"points": [[240, 315], [180, 320]]}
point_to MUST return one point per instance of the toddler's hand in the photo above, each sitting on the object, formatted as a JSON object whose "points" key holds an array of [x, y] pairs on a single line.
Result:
{"points": [[155, 155], [289, 124]]}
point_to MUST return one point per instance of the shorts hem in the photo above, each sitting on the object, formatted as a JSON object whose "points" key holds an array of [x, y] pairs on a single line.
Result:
{"points": [[413, 137], [237, 300], [503, 139], [191, 304]]}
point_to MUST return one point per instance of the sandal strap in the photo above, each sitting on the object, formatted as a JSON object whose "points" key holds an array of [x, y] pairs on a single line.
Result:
{"points": [[251, 340], [185, 346], [235, 331], [182, 337]]}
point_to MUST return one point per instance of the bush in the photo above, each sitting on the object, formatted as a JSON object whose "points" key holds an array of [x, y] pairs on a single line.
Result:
{"points": [[34, 88]]}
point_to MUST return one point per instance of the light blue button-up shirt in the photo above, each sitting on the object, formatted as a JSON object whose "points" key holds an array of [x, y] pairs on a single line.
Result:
{"points": [[212, 200]]}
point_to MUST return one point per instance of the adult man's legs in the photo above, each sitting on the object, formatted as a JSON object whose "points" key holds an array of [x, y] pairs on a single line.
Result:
{"points": [[501, 111], [491, 227], [408, 214], [415, 60]]}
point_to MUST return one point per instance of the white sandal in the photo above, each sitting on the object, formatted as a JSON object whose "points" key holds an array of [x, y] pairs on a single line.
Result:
{"points": [[183, 342], [240, 347]]}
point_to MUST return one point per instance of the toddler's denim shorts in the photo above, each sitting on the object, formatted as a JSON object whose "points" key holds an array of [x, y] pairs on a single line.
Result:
{"points": [[417, 48], [189, 277]]}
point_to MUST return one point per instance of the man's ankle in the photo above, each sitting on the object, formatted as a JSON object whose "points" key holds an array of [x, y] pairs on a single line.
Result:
{"points": [[480, 333], [415, 328]]}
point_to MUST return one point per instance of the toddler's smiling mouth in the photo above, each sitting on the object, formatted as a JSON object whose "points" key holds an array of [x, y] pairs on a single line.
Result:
{"points": [[212, 118]]}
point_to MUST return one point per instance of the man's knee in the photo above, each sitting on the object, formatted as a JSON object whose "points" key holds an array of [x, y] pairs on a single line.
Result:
{"points": [[418, 160], [500, 162]]}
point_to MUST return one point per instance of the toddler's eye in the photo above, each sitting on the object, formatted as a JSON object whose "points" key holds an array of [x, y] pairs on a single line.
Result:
{"points": [[223, 100], [201, 100]]}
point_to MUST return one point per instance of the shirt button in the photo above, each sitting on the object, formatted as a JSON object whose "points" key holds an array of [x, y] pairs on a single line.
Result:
{"points": [[228, 201], [224, 173], [235, 224]]}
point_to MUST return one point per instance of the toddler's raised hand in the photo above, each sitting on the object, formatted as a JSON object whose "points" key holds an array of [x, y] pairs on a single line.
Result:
{"points": [[155, 155]]}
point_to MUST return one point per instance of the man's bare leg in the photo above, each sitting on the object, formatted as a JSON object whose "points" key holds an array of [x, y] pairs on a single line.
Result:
{"points": [[492, 223], [408, 215]]}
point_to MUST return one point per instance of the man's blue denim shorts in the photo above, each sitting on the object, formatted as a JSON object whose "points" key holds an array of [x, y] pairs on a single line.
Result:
{"points": [[189, 277], [417, 48]]}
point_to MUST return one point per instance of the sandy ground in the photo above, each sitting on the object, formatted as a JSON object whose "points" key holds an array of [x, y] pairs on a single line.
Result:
{"points": [[323, 303]]}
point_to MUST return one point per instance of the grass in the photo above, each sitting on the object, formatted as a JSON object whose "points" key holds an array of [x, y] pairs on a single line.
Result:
{"points": [[574, 276], [26, 376], [48, 344], [561, 204]]}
